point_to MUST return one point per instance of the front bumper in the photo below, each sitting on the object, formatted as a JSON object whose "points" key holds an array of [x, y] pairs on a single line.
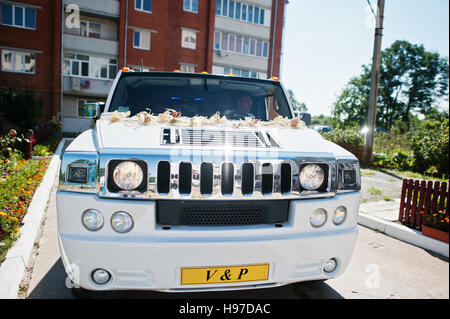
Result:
{"points": [[151, 258]]}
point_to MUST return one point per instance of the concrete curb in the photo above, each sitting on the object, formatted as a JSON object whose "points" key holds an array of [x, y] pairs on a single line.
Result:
{"points": [[13, 268], [404, 233]]}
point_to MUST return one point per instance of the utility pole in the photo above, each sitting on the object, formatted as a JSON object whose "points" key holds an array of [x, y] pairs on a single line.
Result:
{"points": [[372, 112]]}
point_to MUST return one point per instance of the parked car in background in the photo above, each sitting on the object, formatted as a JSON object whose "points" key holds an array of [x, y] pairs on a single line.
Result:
{"points": [[322, 128]]}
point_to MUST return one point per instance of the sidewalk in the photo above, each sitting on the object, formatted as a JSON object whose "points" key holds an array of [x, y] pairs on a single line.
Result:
{"points": [[382, 216]]}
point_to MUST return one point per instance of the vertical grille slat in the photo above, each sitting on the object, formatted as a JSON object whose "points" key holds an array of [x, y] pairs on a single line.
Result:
{"points": [[248, 177], [163, 179], [267, 179], [206, 178], [185, 182], [286, 179], [227, 178]]}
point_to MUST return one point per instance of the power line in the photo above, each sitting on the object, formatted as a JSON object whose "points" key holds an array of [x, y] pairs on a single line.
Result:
{"points": [[371, 8]]}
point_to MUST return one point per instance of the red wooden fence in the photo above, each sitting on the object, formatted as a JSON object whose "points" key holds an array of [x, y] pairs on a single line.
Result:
{"points": [[418, 196]]}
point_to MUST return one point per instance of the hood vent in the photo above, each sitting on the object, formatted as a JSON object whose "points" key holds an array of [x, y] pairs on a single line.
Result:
{"points": [[203, 137]]}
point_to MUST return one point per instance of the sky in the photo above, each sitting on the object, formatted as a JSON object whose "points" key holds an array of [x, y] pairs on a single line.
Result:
{"points": [[327, 41]]}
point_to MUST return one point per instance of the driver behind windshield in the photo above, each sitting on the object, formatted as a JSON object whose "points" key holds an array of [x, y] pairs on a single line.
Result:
{"points": [[244, 104]]}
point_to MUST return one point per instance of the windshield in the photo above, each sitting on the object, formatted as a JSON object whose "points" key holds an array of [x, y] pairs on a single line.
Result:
{"points": [[199, 95]]}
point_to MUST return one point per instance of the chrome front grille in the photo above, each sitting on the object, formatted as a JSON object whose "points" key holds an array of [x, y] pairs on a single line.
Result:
{"points": [[275, 179], [178, 174]]}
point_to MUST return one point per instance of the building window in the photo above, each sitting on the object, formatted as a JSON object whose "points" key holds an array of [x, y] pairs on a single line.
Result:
{"points": [[18, 61], [138, 68], [240, 11], [188, 39], [90, 29], [141, 40], [18, 16], [217, 40], [80, 65], [241, 45], [190, 5], [143, 5], [241, 72], [186, 67]]}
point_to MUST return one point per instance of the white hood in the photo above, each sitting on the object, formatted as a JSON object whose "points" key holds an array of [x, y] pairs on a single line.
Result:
{"points": [[135, 136]]}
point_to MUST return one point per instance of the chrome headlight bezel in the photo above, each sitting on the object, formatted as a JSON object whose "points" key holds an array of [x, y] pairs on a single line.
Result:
{"points": [[348, 176], [112, 185]]}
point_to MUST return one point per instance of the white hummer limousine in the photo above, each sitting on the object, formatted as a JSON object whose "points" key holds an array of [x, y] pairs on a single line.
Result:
{"points": [[191, 182]]}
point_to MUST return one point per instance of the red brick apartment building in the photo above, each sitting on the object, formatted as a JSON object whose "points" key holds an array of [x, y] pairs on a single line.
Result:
{"points": [[69, 51]]}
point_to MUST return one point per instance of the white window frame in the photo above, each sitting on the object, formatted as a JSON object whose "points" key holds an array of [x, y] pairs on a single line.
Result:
{"points": [[187, 67], [90, 63], [188, 45], [141, 9], [13, 61], [191, 6], [141, 33], [13, 18]]}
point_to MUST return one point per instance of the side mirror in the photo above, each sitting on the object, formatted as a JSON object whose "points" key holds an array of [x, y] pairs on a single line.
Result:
{"points": [[93, 110], [305, 117]]}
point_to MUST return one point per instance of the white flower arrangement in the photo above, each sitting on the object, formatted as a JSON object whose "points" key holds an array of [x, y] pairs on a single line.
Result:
{"points": [[171, 117]]}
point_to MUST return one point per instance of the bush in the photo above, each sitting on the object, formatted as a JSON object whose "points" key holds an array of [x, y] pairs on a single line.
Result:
{"points": [[41, 150], [348, 136], [10, 142], [21, 107], [431, 148], [394, 159]]}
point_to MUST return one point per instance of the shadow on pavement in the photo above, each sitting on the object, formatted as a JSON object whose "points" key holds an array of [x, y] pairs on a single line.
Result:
{"points": [[53, 286]]}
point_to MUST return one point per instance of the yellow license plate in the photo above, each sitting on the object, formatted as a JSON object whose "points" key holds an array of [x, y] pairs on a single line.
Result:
{"points": [[224, 274]]}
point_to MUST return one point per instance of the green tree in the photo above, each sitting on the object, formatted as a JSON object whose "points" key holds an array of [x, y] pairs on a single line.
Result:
{"points": [[296, 105], [412, 81], [350, 108]]}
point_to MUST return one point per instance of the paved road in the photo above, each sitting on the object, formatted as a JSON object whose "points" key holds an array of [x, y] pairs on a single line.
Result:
{"points": [[381, 267]]}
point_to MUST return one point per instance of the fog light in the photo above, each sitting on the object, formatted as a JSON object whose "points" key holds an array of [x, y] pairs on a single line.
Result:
{"points": [[330, 265], [339, 215], [122, 222], [92, 219], [318, 217], [101, 276]]}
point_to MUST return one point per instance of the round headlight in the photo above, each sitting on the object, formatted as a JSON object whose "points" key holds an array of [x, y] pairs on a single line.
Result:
{"points": [[339, 215], [318, 217], [92, 219], [311, 177], [122, 222], [128, 175]]}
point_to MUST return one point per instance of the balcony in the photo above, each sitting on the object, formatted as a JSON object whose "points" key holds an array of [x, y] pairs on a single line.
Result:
{"points": [[94, 45], [109, 8], [86, 86], [233, 60], [243, 28]]}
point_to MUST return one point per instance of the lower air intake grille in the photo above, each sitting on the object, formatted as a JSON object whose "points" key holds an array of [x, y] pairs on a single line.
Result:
{"points": [[250, 216], [216, 213]]}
